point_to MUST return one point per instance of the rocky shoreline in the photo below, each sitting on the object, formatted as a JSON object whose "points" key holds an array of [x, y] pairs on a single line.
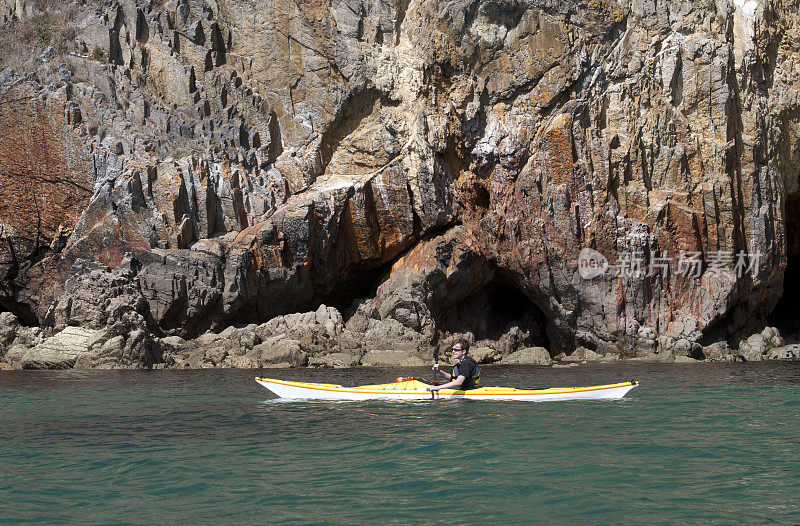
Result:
{"points": [[321, 339]]}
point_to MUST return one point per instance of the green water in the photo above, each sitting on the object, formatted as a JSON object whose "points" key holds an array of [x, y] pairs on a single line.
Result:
{"points": [[716, 444]]}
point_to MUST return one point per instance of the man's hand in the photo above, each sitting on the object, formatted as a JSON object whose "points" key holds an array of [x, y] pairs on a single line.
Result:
{"points": [[434, 388]]}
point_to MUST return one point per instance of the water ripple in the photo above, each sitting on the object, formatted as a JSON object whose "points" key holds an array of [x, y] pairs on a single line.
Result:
{"points": [[710, 443]]}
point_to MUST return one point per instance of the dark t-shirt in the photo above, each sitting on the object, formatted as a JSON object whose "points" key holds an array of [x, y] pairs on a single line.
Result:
{"points": [[471, 372]]}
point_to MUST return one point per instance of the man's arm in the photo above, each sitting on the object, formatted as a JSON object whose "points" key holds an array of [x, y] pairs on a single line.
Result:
{"points": [[455, 384], [443, 373]]}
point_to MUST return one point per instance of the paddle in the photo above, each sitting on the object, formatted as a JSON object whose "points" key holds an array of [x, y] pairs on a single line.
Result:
{"points": [[436, 360]]}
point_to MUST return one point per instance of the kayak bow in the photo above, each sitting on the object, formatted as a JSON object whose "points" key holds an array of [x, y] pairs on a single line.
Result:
{"points": [[413, 389]]}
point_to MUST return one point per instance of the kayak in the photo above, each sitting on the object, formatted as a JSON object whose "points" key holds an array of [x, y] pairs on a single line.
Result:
{"points": [[413, 389]]}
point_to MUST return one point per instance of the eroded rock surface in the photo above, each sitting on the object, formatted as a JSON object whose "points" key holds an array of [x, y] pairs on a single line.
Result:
{"points": [[183, 167]]}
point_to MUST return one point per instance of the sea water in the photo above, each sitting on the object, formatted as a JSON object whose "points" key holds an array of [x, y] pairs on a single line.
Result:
{"points": [[704, 443]]}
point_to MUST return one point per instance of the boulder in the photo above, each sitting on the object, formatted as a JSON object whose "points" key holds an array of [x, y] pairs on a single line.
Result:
{"points": [[773, 337], [785, 352], [583, 354], [246, 361], [208, 338], [126, 344], [718, 352], [61, 350], [685, 359], [317, 330], [391, 358], [175, 342], [278, 351], [337, 360], [529, 356], [8, 330], [751, 349], [14, 355], [484, 354]]}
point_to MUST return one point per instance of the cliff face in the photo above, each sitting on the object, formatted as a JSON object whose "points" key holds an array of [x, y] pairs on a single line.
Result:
{"points": [[422, 165]]}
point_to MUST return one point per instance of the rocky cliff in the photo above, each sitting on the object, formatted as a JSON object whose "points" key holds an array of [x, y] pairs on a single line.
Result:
{"points": [[620, 177]]}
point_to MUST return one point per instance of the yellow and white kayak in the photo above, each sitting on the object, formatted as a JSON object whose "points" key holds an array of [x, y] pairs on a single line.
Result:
{"points": [[413, 389]]}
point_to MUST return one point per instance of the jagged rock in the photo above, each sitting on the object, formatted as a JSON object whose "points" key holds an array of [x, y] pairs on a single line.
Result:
{"points": [[529, 356], [215, 355], [719, 352], [95, 296], [8, 330], [583, 354], [183, 290], [685, 359], [208, 338], [753, 348], [246, 361], [336, 360], [279, 351], [125, 344], [173, 341], [244, 338], [367, 327], [319, 327], [59, 351], [773, 337], [484, 354], [390, 358], [15, 354], [785, 352], [390, 162]]}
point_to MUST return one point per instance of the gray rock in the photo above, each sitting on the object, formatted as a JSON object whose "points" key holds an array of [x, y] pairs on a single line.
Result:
{"points": [[529, 356], [752, 349], [279, 351], [773, 337], [484, 354], [583, 354], [287, 200], [208, 338], [391, 358], [8, 330], [786, 352], [336, 360], [317, 330], [59, 351], [246, 361], [215, 355], [174, 341], [718, 352], [14, 355], [685, 359]]}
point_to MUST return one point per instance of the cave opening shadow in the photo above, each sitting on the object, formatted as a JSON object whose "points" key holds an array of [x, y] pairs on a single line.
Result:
{"points": [[21, 311], [786, 314], [498, 312]]}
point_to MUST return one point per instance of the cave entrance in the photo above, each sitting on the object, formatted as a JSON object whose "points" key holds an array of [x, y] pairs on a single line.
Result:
{"points": [[23, 312], [786, 314], [498, 312]]}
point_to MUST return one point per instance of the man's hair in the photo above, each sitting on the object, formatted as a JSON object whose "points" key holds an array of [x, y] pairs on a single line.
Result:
{"points": [[464, 343]]}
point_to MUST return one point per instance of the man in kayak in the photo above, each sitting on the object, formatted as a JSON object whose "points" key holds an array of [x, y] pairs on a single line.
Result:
{"points": [[466, 374]]}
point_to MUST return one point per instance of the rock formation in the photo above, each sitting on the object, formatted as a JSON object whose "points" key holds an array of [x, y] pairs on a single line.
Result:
{"points": [[184, 168]]}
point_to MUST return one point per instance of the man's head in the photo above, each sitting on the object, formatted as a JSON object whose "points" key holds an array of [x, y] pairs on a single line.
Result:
{"points": [[460, 348]]}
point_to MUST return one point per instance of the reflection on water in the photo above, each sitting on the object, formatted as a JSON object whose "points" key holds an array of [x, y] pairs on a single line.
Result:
{"points": [[712, 442]]}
